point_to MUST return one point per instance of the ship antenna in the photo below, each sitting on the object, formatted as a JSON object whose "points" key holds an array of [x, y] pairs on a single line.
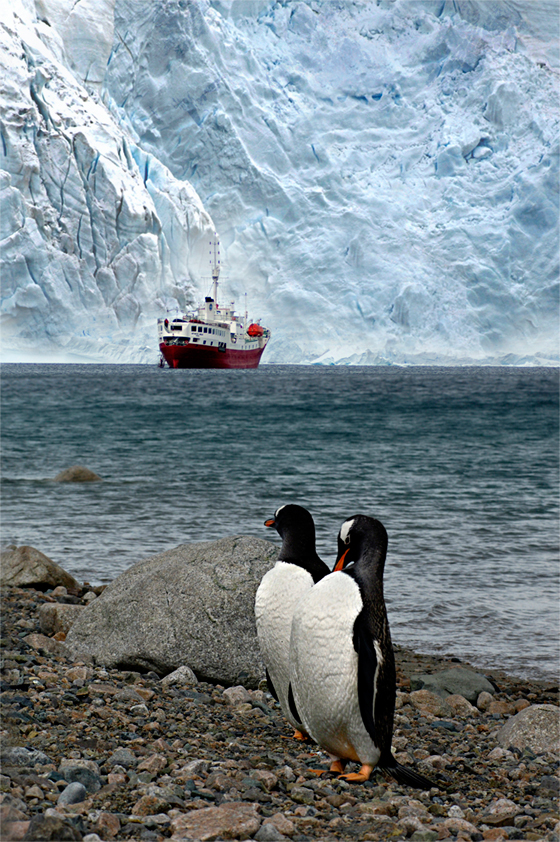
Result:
{"points": [[215, 261], [246, 313]]}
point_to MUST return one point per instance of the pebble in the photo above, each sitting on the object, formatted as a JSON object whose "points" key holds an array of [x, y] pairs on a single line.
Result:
{"points": [[100, 755]]}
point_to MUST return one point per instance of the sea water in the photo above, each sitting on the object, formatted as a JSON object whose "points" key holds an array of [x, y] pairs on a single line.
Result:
{"points": [[460, 465]]}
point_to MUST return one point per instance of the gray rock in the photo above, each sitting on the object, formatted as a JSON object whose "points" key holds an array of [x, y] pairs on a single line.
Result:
{"points": [[51, 829], [191, 605], [536, 728], [237, 695], [79, 774], [183, 677], [123, 757], [460, 681], [19, 756], [195, 767], [77, 473], [25, 567], [58, 617], [72, 794], [269, 833]]}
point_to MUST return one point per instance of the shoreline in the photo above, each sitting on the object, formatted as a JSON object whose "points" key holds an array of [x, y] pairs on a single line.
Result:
{"points": [[154, 756]]}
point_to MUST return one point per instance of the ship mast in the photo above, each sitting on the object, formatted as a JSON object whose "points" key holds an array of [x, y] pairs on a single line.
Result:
{"points": [[215, 260]]}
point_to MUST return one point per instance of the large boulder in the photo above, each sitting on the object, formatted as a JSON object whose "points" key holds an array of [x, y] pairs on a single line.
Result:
{"points": [[536, 728], [456, 681], [77, 473], [26, 567], [193, 605]]}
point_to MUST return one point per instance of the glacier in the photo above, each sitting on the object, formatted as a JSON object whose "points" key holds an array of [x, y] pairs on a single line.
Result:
{"points": [[383, 176]]}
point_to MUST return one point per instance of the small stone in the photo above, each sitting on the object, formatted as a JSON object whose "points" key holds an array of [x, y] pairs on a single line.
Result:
{"points": [[455, 825], [484, 700], [19, 756], [116, 779], [139, 710], [79, 674], [72, 794], [458, 680], [424, 835], [195, 767], [427, 702], [409, 825], [497, 706], [182, 677], [149, 805], [48, 644], [281, 823], [455, 812], [108, 825], [15, 831], [154, 763], [231, 820], [461, 706], [89, 596], [302, 794], [269, 833], [500, 813], [79, 773], [51, 829], [268, 779], [499, 754], [123, 757], [237, 695]]}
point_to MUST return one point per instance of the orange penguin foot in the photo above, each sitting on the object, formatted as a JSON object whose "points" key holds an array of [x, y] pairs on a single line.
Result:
{"points": [[302, 736], [359, 777], [337, 766]]}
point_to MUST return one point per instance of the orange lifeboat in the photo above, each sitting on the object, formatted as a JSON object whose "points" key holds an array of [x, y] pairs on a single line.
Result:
{"points": [[255, 330]]}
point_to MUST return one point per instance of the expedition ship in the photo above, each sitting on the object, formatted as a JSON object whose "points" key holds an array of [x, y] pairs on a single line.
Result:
{"points": [[213, 336]]}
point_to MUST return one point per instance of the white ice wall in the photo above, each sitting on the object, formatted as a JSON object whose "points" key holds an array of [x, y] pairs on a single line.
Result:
{"points": [[96, 236], [383, 175]]}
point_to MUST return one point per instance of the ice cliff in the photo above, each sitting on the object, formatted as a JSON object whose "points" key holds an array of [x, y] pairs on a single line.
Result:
{"points": [[383, 175]]}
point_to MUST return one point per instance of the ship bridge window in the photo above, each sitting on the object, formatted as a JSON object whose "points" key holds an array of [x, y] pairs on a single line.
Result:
{"points": [[193, 328], [205, 329], [200, 330]]}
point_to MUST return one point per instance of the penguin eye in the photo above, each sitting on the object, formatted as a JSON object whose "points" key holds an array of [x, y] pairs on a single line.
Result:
{"points": [[347, 539]]}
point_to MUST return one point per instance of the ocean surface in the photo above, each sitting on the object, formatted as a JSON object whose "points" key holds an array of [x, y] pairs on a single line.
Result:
{"points": [[460, 464]]}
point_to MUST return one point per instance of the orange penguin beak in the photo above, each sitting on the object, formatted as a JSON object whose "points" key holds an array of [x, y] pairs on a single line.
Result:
{"points": [[270, 522], [340, 561]]}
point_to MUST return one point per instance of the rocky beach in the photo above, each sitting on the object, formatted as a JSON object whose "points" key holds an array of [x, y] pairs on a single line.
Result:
{"points": [[95, 752]]}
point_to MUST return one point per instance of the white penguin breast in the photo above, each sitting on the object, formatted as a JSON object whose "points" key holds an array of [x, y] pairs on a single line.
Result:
{"points": [[324, 668], [277, 596]]}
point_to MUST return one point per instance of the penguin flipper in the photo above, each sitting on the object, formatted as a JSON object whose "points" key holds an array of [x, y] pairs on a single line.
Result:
{"points": [[273, 692], [367, 666], [404, 775], [292, 703]]}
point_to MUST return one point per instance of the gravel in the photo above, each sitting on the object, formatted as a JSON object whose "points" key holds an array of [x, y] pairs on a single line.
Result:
{"points": [[106, 754]]}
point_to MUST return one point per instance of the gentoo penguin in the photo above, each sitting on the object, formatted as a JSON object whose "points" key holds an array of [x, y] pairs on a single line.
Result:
{"points": [[296, 571], [342, 667]]}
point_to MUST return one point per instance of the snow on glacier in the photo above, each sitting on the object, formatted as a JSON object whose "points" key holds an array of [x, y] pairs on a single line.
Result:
{"points": [[383, 175]]}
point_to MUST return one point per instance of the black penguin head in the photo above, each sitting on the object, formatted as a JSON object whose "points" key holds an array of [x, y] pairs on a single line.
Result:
{"points": [[361, 536], [292, 520], [295, 526]]}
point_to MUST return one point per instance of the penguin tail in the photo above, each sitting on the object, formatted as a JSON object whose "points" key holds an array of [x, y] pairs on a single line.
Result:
{"points": [[404, 775]]}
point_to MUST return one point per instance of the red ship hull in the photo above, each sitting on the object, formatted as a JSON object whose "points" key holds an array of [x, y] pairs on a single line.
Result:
{"points": [[202, 356]]}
